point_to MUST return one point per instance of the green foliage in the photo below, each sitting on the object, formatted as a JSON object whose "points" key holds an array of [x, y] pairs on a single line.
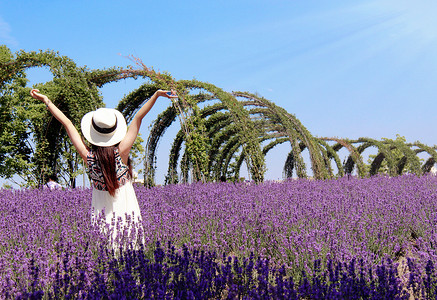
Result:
{"points": [[247, 131], [15, 151], [44, 147], [213, 142], [405, 159], [353, 159], [6, 186], [137, 152]]}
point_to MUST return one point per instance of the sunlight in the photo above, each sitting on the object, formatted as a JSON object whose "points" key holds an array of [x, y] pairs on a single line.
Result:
{"points": [[415, 18]]}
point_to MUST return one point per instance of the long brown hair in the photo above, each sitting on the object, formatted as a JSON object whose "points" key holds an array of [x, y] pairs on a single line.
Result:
{"points": [[105, 157]]}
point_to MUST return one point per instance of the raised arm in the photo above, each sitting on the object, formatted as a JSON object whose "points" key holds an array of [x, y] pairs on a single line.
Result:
{"points": [[69, 127], [126, 144]]}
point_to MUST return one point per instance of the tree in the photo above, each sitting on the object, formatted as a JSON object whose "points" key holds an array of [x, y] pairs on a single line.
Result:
{"points": [[15, 149], [41, 145]]}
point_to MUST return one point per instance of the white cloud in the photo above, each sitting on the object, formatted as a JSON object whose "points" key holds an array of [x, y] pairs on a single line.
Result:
{"points": [[5, 34]]}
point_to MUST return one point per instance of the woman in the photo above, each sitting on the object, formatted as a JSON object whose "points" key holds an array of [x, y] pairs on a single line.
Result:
{"points": [[108, 158]]}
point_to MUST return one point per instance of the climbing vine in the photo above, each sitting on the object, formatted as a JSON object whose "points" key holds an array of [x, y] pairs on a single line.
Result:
{"points": [[49, 149], [219, 130]]}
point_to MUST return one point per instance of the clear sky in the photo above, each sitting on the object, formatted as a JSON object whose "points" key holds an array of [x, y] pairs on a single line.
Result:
{"points": [[344, 68]]}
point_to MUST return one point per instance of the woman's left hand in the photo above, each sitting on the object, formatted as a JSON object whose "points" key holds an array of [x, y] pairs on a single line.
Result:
{"points": [[167, 94]]}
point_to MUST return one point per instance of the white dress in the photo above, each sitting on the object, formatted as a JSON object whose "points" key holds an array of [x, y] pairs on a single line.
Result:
{"points": [[123, 205]]}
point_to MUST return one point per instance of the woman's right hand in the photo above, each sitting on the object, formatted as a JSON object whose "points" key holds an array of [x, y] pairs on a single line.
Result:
{"points": [[37, 95]]}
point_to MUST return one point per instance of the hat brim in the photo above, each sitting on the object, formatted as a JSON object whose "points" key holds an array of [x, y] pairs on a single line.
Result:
{"points": [[100, 139]]}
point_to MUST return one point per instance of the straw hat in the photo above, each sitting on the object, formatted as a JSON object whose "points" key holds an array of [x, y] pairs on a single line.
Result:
{"points": [[104, 127]]}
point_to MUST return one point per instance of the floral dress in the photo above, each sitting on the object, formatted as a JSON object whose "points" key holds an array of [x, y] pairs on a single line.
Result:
{"points": [[123, 204]]}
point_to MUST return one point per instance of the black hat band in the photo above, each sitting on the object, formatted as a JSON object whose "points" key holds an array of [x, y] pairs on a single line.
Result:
{"points": [[104, 130]]}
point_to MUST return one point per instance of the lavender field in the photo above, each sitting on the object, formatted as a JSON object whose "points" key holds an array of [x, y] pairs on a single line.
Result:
{"points": [[48, 235]]}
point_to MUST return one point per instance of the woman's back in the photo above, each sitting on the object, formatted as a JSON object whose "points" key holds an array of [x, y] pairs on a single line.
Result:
{"points": [[118, 172]]}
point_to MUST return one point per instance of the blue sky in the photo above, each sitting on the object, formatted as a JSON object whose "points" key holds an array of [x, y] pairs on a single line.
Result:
{"points": [[344, 68]]}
